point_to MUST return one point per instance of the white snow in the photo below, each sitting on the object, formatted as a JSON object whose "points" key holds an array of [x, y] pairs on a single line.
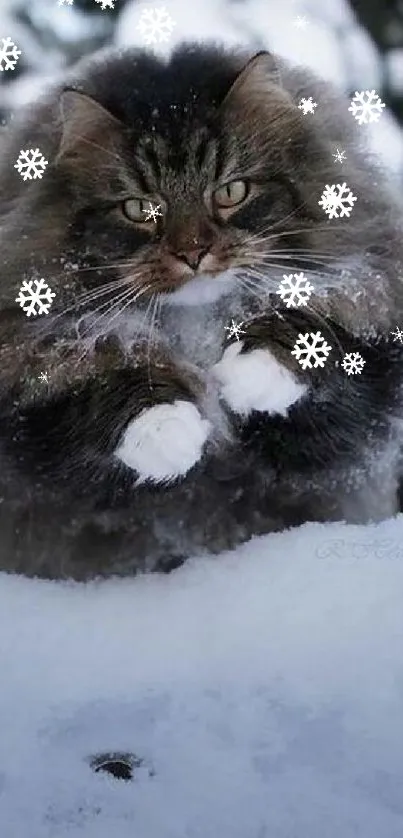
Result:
{"points": [[264, 688], [256, 381], [164, 441]]}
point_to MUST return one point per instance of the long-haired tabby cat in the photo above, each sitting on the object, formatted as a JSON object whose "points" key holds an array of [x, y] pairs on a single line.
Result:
{"points": [[155, 432]]}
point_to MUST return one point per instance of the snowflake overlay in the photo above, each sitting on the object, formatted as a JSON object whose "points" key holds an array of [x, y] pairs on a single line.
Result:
{"points": [[9, 54], [398, 335], [43, 377], [31, 164], [337, 204], [307, 105], [353, 363], [35, 297], [366, 106], [339, 156], [295, 290], [69, 2], [311, 347], [152, 213], [106, 4], [235, 330], [155, 25]]}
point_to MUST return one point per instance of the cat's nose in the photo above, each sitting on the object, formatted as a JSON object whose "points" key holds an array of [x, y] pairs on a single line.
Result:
{"points": [[192, 257]]}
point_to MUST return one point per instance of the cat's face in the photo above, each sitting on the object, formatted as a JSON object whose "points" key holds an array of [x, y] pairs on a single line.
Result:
{"points": [[221, 175]]}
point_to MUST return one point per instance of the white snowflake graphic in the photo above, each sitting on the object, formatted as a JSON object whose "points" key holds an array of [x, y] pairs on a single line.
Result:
{"points": [[353, 363], [295, 290], [311, 347], [9, 54], [43, 377], [337, 200], [300, 22], [307, 105], [155, 25], [35, 297], [31, 164], [366, 106], [339, 156], [398, 335], [235, 330], [69, 2], [152, 213], [106, 4]]}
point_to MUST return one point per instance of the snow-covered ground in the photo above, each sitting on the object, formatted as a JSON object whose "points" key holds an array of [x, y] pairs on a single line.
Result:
{"points": [[263, 689]]}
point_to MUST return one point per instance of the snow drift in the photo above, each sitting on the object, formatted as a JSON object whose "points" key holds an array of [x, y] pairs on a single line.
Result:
{"points": [[263, 690]]}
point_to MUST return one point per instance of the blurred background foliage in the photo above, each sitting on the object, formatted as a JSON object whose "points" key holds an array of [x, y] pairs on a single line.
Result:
{"points": [[383, 20], [49, 42]]}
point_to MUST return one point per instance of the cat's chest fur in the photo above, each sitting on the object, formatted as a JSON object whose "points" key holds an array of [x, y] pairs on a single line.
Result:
{"points": [[195, 333]]}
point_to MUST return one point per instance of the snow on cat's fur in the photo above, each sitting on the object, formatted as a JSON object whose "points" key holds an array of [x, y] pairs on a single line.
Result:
{"points": [[237, 171]]}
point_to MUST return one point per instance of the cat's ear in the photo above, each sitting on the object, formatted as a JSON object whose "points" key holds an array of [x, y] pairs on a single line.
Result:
{"points": [[257, 76], [87, 127], [258, 106]]}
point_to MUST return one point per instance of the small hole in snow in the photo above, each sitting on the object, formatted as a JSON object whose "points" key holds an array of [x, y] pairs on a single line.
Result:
{"points": [[119, 765]]}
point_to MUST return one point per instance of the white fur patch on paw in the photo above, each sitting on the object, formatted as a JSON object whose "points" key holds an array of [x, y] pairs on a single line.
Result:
{"points": [[256, 381], [164, 442]]}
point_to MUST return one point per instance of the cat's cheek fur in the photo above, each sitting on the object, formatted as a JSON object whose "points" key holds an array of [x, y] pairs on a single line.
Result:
{"points": [[164, 442], [255, 380]]}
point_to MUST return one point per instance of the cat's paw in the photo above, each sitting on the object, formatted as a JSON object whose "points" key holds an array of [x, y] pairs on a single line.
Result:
{"points": [[164, 442], [255, 380]]}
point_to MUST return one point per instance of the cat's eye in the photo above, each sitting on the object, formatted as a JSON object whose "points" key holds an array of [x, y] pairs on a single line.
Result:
{"points": [[231, 194], [138, 209]]}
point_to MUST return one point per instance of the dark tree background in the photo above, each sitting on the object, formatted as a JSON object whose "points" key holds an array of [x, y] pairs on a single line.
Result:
{"points": [[383, 20]]}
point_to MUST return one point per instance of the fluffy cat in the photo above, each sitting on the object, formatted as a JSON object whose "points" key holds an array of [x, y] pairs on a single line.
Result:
{"points": [[160, 433]]}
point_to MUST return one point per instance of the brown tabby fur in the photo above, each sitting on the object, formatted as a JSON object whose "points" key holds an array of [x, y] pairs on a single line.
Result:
{"points": [[125, 126]]}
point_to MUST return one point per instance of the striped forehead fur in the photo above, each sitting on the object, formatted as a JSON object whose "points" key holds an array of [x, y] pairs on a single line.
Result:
{"points": [[153, 159]]}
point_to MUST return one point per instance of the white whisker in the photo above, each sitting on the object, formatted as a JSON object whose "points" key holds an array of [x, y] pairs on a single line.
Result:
{"points": [[127, 295], [87, 297], [109, 305]]}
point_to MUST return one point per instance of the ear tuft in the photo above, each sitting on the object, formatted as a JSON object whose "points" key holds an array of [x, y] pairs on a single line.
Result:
{"points": [[263, 64]]}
